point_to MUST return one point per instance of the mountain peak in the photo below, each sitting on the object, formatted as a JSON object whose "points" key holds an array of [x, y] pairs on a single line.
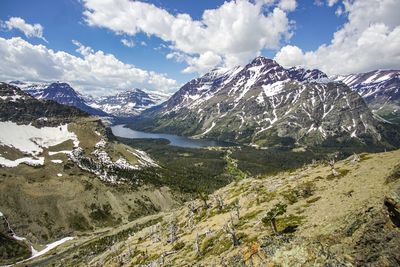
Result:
{"points": [[260, 60]]}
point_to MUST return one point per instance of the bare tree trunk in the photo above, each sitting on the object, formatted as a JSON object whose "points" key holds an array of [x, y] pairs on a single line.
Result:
{"points": [[197, 245], [231, 231], [273, 226]]}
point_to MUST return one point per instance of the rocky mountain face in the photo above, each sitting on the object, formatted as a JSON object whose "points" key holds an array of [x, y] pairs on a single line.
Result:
{"points": [[380, 90], [60, 92], [128, 103], [18, 106], [265, 104]]}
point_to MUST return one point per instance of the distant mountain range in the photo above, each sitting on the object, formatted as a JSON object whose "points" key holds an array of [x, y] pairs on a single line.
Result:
{"points": [[380, 89], [128, 103], [265, 104], [122, 105], [20, 107], [255, 99]]}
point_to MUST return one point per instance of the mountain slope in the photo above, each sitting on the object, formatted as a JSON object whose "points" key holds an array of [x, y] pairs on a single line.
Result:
{"points": [[380, 90], [265, 104], [321, 219], [18, 106], [62, 173], [128, 103], [60, 92]]}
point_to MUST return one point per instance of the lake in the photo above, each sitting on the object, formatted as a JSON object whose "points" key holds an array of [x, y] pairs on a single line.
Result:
{"points": [[174, 140]]}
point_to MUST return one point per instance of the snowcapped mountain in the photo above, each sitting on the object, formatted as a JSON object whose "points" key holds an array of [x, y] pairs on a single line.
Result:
{"points": [[380, 89], [265, 104], [129, 103], [20, 107], [123, 105], [60, 92]]}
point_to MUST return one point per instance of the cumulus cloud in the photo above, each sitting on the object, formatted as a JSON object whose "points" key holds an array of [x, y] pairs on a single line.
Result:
{"points": [[93, 72], [228, 35], [29, 30], [369, 40], [128, 43]]}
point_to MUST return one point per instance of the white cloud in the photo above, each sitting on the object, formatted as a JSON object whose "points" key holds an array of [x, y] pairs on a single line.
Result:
{"points": [[128, 43], [29, 30], [203, 63], [228, 35], [93, 72], [369, 40], [289, 5], [332, 2]]}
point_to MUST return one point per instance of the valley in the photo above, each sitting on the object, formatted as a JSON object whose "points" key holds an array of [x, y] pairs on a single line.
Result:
{"points": [[251, 166]]}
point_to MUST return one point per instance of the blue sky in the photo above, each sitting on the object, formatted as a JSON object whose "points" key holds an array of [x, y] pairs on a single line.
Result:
{"points": [[310, 25]]}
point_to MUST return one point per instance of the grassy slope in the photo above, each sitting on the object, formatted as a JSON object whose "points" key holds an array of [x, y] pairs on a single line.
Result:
{"points": [[329, 220], [44, 207]]}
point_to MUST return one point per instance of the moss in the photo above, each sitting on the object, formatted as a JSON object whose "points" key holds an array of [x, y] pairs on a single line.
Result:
{"points": [[207, 246], [179, 245], [313, 199], [290, 196], [365, 157], [265, 197], [289, 223]]}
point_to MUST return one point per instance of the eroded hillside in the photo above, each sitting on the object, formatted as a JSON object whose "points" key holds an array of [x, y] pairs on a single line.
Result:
{"points": [[336, 214]]}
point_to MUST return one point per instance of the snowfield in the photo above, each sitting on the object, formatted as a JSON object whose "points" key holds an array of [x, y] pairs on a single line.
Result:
{"points": [[31, 141], [14, 163]]}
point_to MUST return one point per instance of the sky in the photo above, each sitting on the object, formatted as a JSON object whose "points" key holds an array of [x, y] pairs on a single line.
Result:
{"points": [[104, 46]]}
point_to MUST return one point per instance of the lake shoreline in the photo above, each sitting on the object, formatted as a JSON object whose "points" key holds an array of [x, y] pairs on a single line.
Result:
{"points": [[121, 130]]}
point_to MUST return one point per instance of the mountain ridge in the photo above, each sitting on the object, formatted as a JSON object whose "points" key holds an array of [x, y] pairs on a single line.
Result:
{"points": [[380, 89], [263, 101]]}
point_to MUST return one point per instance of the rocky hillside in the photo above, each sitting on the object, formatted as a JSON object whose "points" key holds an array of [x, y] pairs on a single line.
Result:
{"points": [[62, 174], [264, 104], [128, 103], [61, 93], [344, 213], [380, 89]]}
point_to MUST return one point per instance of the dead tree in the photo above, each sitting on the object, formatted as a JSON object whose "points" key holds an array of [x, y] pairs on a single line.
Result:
{"points": [[196, 245], [355, 159], [220, 202], [155, 233], [230, 230], [173, 230], [191, 211], [236, 208], [332, 164]]}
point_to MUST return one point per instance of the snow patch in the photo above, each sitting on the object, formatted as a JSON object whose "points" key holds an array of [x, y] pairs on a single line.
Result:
{"points": [[14, 163], [274, 88], [48, 247], [32, 140]]}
